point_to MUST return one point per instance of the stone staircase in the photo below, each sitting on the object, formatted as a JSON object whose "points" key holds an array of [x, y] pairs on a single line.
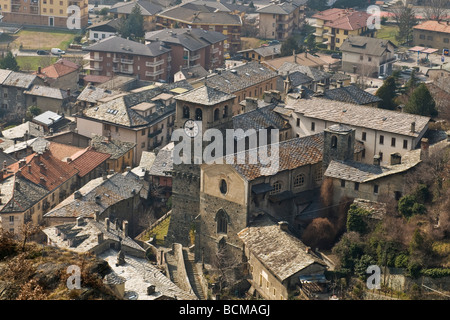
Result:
{"points": [[193, 274]]}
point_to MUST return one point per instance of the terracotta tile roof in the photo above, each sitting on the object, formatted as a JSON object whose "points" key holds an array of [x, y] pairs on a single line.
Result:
{"points": [[47, 166], [330, 14], [87, 160], [437, 26], [353, 21], [62, 151], [58, 69]]}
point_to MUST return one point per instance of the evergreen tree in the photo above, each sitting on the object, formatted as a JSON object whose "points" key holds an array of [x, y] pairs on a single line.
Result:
{"points": [[9, 62], [412, 82], [290, 45], [421, 102], [387, 94], [133, 26], [311, 42], [317, 4]]}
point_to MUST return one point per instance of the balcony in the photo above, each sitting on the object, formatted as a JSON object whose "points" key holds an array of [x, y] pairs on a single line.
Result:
{"points": [[215, 50], [92, 68], [154, 74], [89, 58], [195, 57], [126, 61], [127, 71], [155, 133], [154, 64], [116, 60]]}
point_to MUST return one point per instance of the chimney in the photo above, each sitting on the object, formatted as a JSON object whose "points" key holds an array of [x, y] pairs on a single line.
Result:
{"points": [[97, 215], [105, 175], [80, 221], [100, 238], [283, 225], [69, 160], [376, 160], [413, 127], [396, 158], [29, 168], [22, 163], [276, 95], [250, 104], [125, 228], [308, 249], [295, 56], [107, 224], [5, 165], [39, 69], [267, 96], [424, 147], [77, 194], [42, 181]]}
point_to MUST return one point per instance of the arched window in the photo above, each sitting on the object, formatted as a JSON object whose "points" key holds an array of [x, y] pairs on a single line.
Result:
{"points": [[299, 180], [225, 111], [334, 142], [198, 114], [222, 221], [216, 114], [223, 186], [186, 112], [276, 187]]}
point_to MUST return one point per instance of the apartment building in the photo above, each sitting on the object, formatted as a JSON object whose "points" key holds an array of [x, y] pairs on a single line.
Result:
{"points": [[206, 17], [148, 11], [116, 55], [334, 25], [382, 132], [53, 13], [191, 47], [432, 34], [278, 20]]}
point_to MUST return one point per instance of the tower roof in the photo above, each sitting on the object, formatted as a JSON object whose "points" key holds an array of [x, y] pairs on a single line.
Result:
{"points": [[339, 128], [205, 95]]}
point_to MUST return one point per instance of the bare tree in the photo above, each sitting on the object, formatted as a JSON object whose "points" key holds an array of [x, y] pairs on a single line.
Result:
{"points": [[436, 9], [225, 263], [405, 18], [27, 231]]}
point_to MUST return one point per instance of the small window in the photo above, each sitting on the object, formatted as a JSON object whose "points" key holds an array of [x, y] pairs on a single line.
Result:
{"points": [[313, 126], [393, 142], [346, 32], [143, 132], [299, 180], [397, 195], [422, 36], [405, 144], [334, 142], [446, 40], [186, 112], [381, 139], [276, 188], [318, 174], [361, 57], [364, 136], [223, 186], [381, 156], [298, 122], [375, 189], [342, 183], [11, 218], [369, 59], [356, 186]]}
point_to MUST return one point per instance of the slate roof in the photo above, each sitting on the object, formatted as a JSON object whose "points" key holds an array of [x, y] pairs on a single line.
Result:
{"points": [[313, 73], [362, 172], [279, 251], [163, 161], [47, 92], [200, 14], [205, 95], [191, 38], [120, 45], [261, 118], [194, 72], [351, 94], [19, 194], [106, 26], [115, 188], [19, 131], [303, 59], [240, 77], [115, 148], [84, 238], [298, 78], [284, 8], [292, 154], [367, 45], [148, 8], [267, 51], [359, 116], [18, 79], [92, 94]]}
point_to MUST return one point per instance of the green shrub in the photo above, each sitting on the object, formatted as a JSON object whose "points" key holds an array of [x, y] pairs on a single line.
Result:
{"points": [[436, 272], [355, 219], [401, 261], [414, 270]]}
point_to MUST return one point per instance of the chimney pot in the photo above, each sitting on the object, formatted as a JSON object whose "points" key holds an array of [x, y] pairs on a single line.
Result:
{"points": [[107, 224], [97, 215], [125, 228], [283, 225], [376, 160], [413, 127]]}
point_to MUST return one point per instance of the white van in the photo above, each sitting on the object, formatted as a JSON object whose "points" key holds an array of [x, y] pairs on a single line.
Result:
{"points": [[57, 51]]}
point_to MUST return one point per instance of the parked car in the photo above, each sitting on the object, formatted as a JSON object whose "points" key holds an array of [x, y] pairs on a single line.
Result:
{"points": [[336, 55], [272, 42], [42, 52], [57, 51]]}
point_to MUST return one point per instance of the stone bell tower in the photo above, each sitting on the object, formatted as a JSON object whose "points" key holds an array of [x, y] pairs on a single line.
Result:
{"points": [[196, 111], [338, 144]]}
